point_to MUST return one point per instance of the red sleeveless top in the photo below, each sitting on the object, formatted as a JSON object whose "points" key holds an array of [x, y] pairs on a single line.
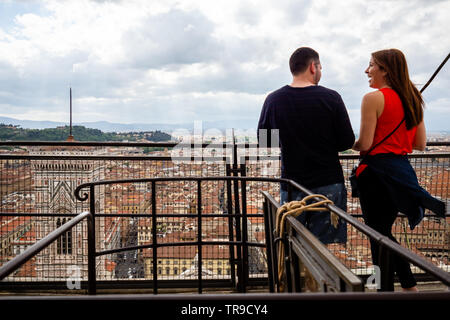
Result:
{"points": [[401, 141]]}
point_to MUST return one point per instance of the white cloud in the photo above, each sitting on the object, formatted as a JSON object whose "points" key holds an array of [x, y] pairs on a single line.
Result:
{"points": [[169, 61]]}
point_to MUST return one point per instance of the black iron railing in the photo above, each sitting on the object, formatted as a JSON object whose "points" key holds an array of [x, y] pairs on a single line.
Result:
{"points": [[296, 233], [238, 242], [33, 250], [242, 245], [303, 251], [37, 186]]}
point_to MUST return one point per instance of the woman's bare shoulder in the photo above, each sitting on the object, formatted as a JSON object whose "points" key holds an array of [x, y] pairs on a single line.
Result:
{"points": [[374, 100], [374, 96]]}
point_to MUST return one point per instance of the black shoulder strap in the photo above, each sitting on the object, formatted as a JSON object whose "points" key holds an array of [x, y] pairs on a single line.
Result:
{"points": [[384, 139]]}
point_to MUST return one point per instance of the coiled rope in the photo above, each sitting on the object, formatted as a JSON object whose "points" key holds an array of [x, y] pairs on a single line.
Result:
{"points": [[294, 209]]}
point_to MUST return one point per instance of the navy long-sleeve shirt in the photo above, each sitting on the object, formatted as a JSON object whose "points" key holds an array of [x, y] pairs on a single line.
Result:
{"points": [[313, 127]]}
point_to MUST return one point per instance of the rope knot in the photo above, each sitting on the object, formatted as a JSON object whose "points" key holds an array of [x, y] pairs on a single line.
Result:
{"points": [[295, 208]]}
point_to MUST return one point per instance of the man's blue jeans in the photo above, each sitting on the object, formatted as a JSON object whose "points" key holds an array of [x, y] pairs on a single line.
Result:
{"points": [[318, 222]]}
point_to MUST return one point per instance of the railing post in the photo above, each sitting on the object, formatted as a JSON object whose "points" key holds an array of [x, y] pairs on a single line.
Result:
{"points": [[154, 240], [92, 281], [230, 227], [245, 266], [237, 220], [199, 234], [386, 269], [269, 243]]}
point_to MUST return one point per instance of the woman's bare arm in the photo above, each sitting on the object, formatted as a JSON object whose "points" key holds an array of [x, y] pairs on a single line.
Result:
{"points": [[420, 140], [371, 108]]}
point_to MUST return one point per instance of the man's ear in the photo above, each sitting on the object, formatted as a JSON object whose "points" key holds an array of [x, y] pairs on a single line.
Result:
{"points": [[312, 67]]}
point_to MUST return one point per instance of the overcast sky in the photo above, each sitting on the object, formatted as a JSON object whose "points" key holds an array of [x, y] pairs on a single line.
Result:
{"points": [[164, 61]]}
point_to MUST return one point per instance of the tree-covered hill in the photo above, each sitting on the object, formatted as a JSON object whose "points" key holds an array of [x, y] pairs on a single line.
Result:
{"points": [[80, 133]]}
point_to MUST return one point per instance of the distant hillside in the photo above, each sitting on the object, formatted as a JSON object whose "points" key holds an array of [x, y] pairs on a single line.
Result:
{"points": [[80, 133], [105, 126]]}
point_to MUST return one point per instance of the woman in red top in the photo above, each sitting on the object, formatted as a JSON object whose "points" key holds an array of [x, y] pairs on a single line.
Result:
{"points": [[381, 112]]}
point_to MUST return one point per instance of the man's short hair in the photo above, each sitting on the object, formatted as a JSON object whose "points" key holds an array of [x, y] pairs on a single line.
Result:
{"points": [[301, 59]]}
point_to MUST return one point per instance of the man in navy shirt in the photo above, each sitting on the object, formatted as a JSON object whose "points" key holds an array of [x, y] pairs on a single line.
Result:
{"points": [[313, 126]]}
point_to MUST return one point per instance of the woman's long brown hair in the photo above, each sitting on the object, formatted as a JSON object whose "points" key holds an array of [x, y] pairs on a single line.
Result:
{"points": [[393, 61]]}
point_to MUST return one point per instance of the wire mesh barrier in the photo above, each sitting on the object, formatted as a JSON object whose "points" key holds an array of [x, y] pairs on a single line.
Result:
{"points": [[304, 264], [430, 239], [199, 237], [37, 184]]}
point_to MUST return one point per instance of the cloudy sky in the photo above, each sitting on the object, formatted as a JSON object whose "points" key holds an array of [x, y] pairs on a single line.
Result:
{"points": [[164, 61]]}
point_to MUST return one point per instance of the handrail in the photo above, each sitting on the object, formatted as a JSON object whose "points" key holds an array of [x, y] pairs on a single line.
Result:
{"points": [[29, 253], [241, 242], [348, 277], [14, 264], [152, 144], [91, 230], [375, 235], [188, 158], [328, 266], [382, 240]]}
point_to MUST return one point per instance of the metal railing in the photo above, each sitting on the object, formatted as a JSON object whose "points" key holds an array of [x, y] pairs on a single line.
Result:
{"points": [[294, 241], [239, 246], [33, 250], [238, 241], [303, 251], [325, 269], [37, 189]]}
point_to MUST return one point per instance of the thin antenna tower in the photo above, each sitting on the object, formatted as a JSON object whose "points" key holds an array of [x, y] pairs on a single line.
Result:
{"points": [[70, 138]]}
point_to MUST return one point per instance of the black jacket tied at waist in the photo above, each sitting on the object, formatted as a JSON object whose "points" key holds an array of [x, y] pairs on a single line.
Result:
{"points": [[400, 180]]}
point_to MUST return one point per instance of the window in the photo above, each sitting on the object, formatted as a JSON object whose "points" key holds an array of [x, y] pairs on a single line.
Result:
{"points": [[64, 243]]}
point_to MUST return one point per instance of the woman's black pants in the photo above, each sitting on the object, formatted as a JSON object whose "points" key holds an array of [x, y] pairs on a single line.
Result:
{"points": [[379, 213]]}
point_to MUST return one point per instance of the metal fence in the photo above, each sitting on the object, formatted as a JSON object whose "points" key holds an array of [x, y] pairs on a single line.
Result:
{"points": [[303, 264], [37, 183], [431, 238]]}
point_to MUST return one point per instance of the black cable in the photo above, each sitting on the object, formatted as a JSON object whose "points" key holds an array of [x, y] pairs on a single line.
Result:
{"points": [[435, 73]]}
